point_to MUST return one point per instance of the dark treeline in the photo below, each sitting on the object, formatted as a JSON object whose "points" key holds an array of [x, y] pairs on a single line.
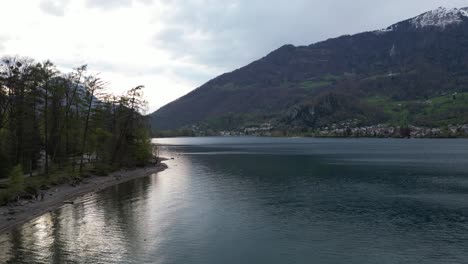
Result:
{"points": [[52, 121]]}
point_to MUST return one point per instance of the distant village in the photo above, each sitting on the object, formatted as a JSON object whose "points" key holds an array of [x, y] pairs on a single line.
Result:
{"points": [[389, 131], [381, 131]]}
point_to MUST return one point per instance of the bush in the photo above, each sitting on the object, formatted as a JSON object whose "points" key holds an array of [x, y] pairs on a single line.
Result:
{"points": [[101, 169], [142, 153], [5, 196], [140, 150], [58, 178], [16, 179], [34, 184]]}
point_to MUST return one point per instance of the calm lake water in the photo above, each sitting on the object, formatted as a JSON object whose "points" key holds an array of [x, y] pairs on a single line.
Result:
{"points": [[268, 200]]}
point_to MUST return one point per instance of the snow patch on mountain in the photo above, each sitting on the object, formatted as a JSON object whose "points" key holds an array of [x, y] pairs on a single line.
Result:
{"points": [[385, 30], [441, 17]]}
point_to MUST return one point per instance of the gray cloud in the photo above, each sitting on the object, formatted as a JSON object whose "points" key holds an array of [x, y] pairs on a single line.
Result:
{"points": [[231, 33], [55, 8], [192, 73]]}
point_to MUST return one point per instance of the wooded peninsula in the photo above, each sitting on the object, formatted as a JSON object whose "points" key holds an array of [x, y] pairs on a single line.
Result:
{"points": [[58, 127]]}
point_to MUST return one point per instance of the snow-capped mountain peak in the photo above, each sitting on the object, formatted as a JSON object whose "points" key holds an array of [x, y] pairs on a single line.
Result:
{"points": [[440, 17]]}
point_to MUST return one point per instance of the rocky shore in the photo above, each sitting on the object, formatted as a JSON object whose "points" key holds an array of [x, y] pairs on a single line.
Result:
{"points": [[24, 210]]}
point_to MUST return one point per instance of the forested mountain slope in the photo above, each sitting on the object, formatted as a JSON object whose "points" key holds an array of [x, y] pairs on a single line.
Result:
{"points": [[413, 72]]}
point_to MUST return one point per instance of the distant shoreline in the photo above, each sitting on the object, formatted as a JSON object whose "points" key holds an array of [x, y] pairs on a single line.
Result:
{"points": [[374, 131], [57, 196], [315, 137]]}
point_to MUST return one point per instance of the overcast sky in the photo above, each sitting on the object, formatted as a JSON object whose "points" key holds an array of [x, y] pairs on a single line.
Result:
{"points": [[174, 46]]}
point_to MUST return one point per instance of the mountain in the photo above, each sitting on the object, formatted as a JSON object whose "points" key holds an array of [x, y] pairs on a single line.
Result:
{"points": [[414, 72]]}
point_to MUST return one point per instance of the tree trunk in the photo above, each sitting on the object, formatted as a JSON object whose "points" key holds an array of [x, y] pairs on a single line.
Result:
{"points": [[46, 129], [83, 146]]}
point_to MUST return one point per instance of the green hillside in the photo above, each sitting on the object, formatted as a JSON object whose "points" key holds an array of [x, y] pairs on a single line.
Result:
{"points": [[405, 75]]}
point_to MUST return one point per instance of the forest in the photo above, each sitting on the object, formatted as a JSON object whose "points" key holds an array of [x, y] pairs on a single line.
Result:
{"points": [[57, 125]]}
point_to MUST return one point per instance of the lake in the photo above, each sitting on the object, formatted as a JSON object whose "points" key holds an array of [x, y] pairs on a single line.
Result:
{"points": [[268, 200]]}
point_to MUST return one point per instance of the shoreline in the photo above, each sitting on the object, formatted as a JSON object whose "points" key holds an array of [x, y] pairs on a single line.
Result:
{"points": [[314, 137], [57, 196]]}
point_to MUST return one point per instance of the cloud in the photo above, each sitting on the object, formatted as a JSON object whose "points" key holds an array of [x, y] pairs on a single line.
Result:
{"points": [[53, 7], [231, 33], [3, 40], [215, 49], [113, 4]]}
